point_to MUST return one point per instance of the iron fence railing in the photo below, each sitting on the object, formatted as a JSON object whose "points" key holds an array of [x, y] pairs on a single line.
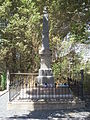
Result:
{"points": [[23, 86], [46, 92], [76, 84], [76, 88], [18, 81]]}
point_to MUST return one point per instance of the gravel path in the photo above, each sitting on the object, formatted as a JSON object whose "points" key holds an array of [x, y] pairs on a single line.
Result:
{"points": [[82, 114]]}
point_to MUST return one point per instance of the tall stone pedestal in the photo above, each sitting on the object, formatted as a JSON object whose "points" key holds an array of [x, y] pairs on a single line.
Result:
{"points": [[45, 72]]}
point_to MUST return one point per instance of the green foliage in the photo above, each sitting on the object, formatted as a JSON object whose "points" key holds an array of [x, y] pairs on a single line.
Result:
{"points": [[21, 37], [66, 15], [69, 65], [78, 32], [3, 81], [57, 70], [21, 34]]}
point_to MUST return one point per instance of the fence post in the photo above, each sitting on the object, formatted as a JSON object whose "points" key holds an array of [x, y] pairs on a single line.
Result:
{"points": [[81, 86], [8, 80]]}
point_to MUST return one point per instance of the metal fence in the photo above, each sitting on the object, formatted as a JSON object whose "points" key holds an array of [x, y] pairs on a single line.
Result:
{"points": [[46, 92], [19, 81], [76, 88], [76, 84], [23, 86]]}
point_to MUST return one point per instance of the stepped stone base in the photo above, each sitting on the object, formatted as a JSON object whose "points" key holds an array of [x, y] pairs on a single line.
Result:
{"points": [[42, 105]]}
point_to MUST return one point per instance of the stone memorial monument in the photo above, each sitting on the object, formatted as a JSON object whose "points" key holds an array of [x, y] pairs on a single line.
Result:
{"points": [[45, 72]]}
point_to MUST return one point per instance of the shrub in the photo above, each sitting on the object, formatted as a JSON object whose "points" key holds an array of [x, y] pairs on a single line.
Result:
{"points": [[3, 81]]}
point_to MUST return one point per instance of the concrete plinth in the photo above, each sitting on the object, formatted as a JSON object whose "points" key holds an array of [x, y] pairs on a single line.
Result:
{"points": [[45, 80], [42, 105]]}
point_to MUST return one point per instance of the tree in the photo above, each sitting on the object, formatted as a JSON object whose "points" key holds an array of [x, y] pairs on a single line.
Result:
{"points": [[22, 34]]}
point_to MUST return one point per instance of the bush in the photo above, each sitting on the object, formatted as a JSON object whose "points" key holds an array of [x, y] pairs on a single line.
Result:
{"points": [[3, 81], [57, 70]]}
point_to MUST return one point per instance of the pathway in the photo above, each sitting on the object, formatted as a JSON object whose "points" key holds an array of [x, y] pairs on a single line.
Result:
{"points": [[5, 114]]}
